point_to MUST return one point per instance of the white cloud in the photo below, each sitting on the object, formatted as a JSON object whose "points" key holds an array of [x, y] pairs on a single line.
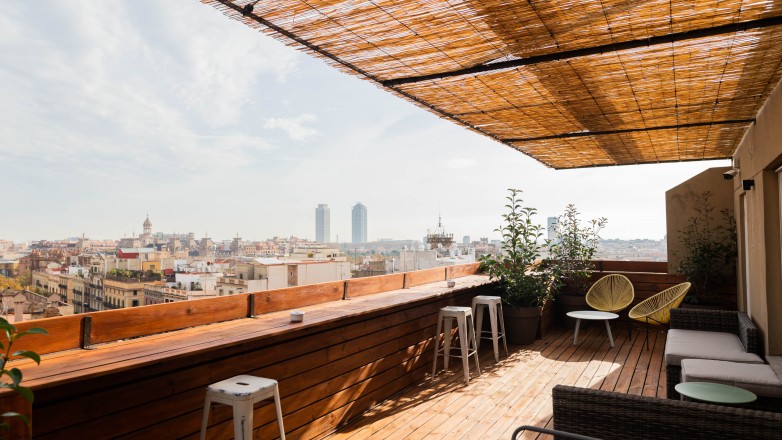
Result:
{"points": [[461, 163], [293, 127]]}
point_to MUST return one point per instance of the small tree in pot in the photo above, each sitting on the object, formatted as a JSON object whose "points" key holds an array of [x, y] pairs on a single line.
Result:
{"points": [[522, 282], [710, 251], [571, 255]]}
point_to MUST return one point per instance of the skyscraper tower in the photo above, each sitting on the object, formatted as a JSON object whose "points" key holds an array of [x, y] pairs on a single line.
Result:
{"points": [[322, 223], [359, 223]]}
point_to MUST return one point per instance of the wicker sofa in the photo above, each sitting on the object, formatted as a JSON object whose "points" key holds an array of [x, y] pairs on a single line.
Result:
{"points": [[716, 342], [610, 415]]}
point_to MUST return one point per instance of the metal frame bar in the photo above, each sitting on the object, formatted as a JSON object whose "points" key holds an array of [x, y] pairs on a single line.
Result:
{"points": [[629, 130], [550, 432]]}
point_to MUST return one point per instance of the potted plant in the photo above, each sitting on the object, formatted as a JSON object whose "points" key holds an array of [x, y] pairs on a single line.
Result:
{"points": [[11, 378], [522, 283], [710, 252], [571, 258]]}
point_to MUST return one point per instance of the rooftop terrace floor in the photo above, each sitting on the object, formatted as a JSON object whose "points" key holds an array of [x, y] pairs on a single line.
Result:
{"points": [[517, 390]]}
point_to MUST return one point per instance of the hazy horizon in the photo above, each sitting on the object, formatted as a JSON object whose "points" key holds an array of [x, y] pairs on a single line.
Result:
{"points": [[112, 110]]}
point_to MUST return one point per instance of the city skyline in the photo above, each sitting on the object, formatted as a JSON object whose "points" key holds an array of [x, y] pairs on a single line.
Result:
{"points": [[182, 125]]}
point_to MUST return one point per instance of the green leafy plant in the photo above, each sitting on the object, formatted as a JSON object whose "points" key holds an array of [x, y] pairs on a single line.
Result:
{"points": [[573, 249], [710, 248], [12, 378], [522, 281]]}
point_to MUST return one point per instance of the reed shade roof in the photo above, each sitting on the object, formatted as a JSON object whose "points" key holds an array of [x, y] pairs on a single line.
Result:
{"points": [[571, 83]]}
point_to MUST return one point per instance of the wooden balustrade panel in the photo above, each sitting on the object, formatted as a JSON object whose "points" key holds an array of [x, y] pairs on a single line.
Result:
{"points": [[292, 297], [463, 270], [64, 334], [113, 325], [328, 372], [632, 266], [426, 276], [369, 285]]}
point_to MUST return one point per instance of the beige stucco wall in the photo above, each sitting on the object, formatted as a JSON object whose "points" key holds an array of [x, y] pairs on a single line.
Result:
{"points": [[314, 273], [681, 201], [760, 254]]}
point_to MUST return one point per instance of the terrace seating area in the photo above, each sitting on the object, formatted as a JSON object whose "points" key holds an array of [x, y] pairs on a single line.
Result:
{"points": [[358, 366]]}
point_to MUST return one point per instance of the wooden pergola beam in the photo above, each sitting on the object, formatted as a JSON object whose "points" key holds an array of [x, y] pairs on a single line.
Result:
{"points": [[627, 130], [594, 50]]}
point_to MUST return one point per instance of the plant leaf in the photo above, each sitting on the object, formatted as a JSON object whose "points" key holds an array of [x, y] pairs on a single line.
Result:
{"points": [[32, 331], [27, 393], [16, 375], [15, 414], [29, 354]]}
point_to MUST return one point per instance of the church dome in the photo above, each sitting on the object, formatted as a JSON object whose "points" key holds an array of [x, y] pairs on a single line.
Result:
{"points": [[147, 223]]}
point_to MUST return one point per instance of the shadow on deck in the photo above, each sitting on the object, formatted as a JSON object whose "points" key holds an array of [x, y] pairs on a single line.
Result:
{"points": [[516, 390]]}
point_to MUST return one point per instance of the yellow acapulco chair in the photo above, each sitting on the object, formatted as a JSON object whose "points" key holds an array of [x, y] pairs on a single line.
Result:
{"points": [[657, 308], [611, 293]]}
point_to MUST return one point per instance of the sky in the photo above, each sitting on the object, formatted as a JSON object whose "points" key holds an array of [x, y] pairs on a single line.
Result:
{"points": [[112, 111]]}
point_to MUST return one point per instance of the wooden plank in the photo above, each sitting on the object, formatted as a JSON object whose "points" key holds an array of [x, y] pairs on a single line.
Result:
{"points": [[631, 266], [640, 277], [369, 285], [419, 277], [113, 325], [64, 334], [651, 386], [17, 429], [463, 270], [295, 297]]}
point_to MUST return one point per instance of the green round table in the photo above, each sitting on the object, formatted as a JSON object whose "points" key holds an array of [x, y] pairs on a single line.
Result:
{"points": [[715, 393]]}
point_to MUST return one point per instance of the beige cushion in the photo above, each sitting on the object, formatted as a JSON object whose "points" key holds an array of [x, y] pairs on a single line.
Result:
{"points": [[758, 378], [696, 344]]}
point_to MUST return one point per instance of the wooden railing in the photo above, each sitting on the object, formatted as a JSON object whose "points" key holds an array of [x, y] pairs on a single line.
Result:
{"points": [[344, 358], [80, 331], [363, 341]]}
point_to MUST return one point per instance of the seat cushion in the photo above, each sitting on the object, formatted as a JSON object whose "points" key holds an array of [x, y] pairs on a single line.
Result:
{"points": [[697, 344], [758, 378]]}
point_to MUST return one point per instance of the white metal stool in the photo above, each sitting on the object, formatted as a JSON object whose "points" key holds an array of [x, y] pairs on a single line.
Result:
{"points": [[466, 331], [241, 392], [494, 303]]}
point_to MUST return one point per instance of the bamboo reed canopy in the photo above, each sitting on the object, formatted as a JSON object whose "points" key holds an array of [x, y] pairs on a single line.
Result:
{"points": [[576, 83]]}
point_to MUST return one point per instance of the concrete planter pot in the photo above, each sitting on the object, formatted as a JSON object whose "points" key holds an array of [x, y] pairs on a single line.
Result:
{"points": [[521, 324]]}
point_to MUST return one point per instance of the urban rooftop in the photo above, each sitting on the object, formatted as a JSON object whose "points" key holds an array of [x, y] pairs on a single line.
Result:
{"points": [[571, 84]]}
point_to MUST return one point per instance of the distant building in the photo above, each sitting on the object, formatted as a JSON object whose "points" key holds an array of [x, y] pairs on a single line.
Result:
{"points": [[551, 227], [438, 238], [206, 248], [120, 294], [322, 223], [410, 260], [268, 274], [10, 268], [146, 237], [466, 240], [359, 223]]}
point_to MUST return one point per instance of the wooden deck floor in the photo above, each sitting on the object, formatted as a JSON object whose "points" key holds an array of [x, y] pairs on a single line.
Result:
{"points": [[517, 390]]}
